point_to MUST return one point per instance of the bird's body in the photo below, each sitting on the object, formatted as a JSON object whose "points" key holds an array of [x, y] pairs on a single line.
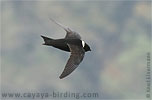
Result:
{"points": [[71, 43], [62, 43]]}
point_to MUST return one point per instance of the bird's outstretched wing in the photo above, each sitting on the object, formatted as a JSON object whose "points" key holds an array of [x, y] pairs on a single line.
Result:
{"points": [[70, 34], [77, 54]]}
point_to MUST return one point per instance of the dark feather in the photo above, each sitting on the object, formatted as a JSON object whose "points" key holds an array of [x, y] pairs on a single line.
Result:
{"points": [[77, 54]]}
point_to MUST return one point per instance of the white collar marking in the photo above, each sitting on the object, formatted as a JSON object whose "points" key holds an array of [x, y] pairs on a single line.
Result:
{"points": [[83, 43]]}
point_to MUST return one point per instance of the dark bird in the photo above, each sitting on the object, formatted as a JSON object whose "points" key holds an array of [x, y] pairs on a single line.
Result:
{"points": [[71, 43]]}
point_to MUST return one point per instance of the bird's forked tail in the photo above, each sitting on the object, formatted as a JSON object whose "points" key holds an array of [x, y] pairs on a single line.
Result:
{"points": [[47, 41]]}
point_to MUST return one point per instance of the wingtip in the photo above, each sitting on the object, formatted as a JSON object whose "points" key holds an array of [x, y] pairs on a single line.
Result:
{"points": [[61, 77], [67, 29], [52, 19]]}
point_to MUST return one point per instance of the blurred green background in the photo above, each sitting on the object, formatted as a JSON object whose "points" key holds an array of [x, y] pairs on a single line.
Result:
{"points": [[118, 32]]}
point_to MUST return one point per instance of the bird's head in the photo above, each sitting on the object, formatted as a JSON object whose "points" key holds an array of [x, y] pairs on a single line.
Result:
{"points": [[86, 47]]}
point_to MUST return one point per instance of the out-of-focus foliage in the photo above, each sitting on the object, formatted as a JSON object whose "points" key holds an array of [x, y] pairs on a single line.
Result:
{"points": [[118, 33]]}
